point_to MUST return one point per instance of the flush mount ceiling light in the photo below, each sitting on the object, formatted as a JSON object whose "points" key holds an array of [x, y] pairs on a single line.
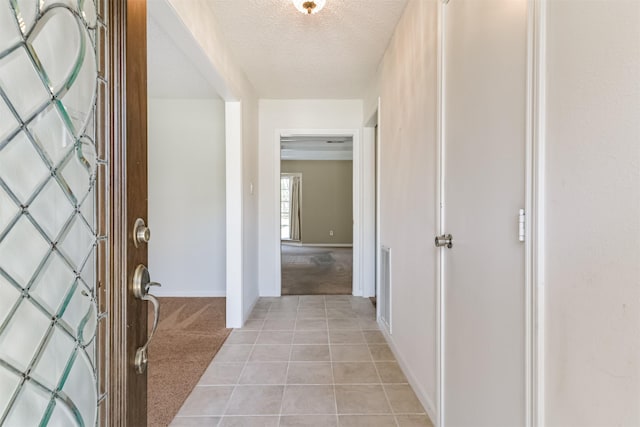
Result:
{"points": [[309, 6]]}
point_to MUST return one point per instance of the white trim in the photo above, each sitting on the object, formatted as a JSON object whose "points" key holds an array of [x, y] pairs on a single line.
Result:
{"points": [[535, 221], [421, 394], [440, 292], [316, 155], [233, 149], [357, 288], [378, 237], [368, 213], [192, 294]]}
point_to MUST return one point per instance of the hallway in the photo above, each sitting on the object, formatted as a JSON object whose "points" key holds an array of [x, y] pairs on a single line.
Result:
{"points": [[316, 270], [305, 361]]}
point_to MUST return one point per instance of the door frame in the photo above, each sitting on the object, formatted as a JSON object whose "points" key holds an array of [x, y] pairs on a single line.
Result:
{"points": [[534, 218], [127, 391], [359, 231]]}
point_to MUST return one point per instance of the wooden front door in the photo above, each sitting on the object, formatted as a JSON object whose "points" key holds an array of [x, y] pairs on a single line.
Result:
{"points": [[72, 184]]}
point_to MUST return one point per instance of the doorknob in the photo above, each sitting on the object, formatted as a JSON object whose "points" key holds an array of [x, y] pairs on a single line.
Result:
{"points": [[444, 240], [140, 288], [141, 233]]}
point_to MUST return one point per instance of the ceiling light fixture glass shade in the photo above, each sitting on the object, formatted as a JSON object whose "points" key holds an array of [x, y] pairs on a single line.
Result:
{"points": [[309, 7]]}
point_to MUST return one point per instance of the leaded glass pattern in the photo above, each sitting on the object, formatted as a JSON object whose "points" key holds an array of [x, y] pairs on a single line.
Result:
{"points": [[53, 226]]}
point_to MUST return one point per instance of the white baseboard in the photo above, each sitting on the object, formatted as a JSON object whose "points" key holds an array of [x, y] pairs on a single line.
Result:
{"points": [[426, 402], [190, 294]]}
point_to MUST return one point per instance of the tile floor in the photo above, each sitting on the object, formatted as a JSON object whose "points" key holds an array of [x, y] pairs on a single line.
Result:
{"points": [[305, 361]]}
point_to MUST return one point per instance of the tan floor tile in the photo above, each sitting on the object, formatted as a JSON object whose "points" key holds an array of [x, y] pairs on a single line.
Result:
{"points": [[312, 313], [305, 305], [309, 373], [340, 313], [284, 307], [374, 337], [310, 353], [402, 399], [195, 421], [242, 337], [258, 314], [264, 373], [390, 372], [366, 421], [279, 324], [262, 305], [282, 315], [250, 421], [308, 421], [221, 373], [206, 400], [270, 353], [311, 337], [343, 305], [355, 373], [311, 325], [255, 400], [350, 353], [275, 337], [414, 421], [367, 324], [253, 325], [361, 399], [233, 353], [381, 352], [344, 324], [308, 399], [346, 337]]}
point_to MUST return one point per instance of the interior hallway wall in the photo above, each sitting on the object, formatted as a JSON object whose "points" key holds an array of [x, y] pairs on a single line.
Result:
{"points": [[199, 18], [407, 87], [187, 196], [327, 200], [289, 114], [592, 213]]}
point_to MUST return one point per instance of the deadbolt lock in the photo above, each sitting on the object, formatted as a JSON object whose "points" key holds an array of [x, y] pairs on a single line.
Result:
{"points": [[141, 233]]}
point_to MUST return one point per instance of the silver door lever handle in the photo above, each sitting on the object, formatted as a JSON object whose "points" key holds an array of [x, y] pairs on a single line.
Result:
{"points": [[446, 240], [140, 287]]}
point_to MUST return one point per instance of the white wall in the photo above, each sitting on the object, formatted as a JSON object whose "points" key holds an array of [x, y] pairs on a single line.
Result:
{"points": [[289, 114], [592, 214], [187, 196], [232, 84], [407, 87]]}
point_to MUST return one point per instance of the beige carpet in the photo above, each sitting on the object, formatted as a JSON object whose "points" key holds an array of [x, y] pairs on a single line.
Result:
{"points": [[316, 271], [190, 332]]}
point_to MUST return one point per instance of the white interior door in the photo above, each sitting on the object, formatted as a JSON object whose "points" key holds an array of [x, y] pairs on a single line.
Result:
{"points": [[485, 57]]}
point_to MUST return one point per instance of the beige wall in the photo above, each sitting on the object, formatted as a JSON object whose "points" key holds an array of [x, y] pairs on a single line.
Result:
{"points": [[592, 214], [327, 199], [408, 91], [198, 17]]}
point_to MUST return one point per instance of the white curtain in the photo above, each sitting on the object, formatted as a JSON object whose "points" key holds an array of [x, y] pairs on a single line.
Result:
{"points": [[294, 208]]}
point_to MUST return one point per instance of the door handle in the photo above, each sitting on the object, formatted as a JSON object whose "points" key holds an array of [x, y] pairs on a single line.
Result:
{"points": [[140, 287], [446, 240]]}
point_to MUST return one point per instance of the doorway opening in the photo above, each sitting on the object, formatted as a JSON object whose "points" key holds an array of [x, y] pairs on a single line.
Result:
{"points": [[187, 183], [316, 214]]}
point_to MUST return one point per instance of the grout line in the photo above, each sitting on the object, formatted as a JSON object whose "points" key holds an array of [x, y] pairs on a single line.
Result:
{"points": [[333, 378]]}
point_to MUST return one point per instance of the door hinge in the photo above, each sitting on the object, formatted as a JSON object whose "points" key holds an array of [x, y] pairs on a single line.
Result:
{"points": [[521, 225]]}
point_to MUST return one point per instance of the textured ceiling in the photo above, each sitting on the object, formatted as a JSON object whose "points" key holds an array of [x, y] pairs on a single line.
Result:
{"points": [[285, 54], [171, 74]]}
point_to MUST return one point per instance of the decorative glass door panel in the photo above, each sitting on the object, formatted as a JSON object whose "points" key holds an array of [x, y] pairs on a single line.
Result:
{"points": [[53, 204]]}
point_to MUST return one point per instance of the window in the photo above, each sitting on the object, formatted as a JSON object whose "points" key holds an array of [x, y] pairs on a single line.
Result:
{"points": [[290, 206]]}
